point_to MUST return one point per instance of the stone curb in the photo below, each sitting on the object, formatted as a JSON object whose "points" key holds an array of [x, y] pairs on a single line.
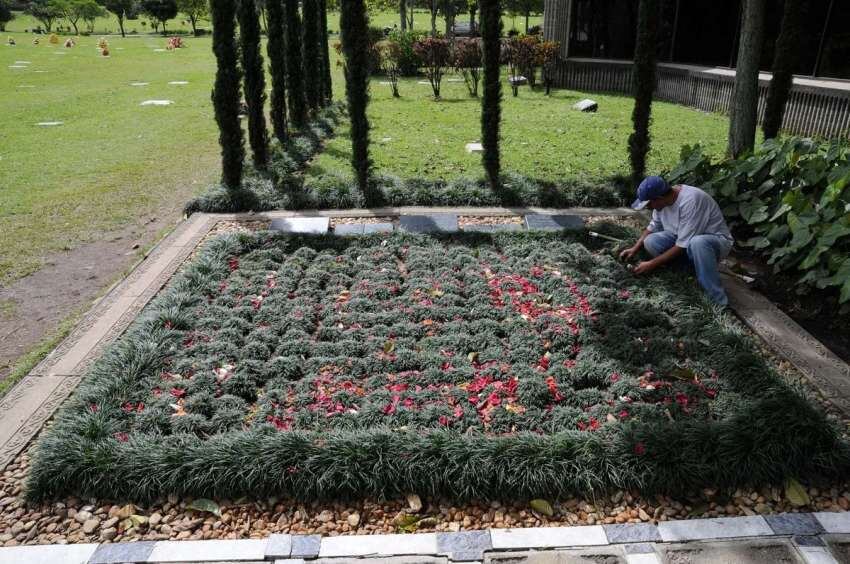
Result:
{"points": [[811, 535]]}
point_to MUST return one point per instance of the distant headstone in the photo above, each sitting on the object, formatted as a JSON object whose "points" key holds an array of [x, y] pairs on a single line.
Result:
{"points": [[139, 83], [344, 229], [156, 103], [586, 105], [433, 223], [178, 82], [542, 222], [425, 82], [474, 148], [17, 66], [22, 62], [493, 228], [49, 123], [370, 228], [313, 225], [517, 80]]}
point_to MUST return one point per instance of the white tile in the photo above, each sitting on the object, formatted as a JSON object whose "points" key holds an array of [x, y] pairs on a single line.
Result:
{"points": [[548, 537], [48, 554], [378, 545], [648, 558], [723, 527], [816, 555], [208, 550], [834, 522]]}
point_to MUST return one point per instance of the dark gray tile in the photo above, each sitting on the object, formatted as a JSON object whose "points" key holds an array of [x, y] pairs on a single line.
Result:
{"points": [[438, 222], [465, 546], [794, 524], [554, 222], [315, 225], [808, 541], [371, 228], [305, 546], [349, 229], [632, 532], [642, 548], [122, 552], [495, 228]]}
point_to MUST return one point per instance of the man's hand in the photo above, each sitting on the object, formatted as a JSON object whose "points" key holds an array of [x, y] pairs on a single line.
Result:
{"points": [[627, 254], [644, 267]]}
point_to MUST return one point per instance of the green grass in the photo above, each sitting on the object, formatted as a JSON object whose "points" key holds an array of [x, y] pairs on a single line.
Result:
{"points": [[113, 161], [514, 365], [542, 137]]}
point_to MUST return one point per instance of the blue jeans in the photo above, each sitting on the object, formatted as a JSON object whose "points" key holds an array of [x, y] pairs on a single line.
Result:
{"points": [[704, 253]]}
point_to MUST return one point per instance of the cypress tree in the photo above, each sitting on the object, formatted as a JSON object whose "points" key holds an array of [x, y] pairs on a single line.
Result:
{"points": [[491, 111], [327, 83], [255, 82], [785, 58], [354, 32], [294, 68], [277, 67], [644, 85], [225, 93], [312, 55]]}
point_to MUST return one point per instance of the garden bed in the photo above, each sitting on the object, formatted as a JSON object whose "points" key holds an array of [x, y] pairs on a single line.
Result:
{"points": [[466, 366]]}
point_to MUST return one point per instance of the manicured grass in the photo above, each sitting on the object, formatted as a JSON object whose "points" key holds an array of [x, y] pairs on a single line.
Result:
{"points": [[469, 366], [542, 137], [112, 161]]}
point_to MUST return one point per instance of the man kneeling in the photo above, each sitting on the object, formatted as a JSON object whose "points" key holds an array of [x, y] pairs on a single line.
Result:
{"points": [[684, 220]]}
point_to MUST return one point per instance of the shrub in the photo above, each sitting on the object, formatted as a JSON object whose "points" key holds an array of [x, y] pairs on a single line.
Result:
{"points": [[389, 52], [521, 54], [791, 199], [408, 61], [546, 55], [435, 55], [467, 61]]}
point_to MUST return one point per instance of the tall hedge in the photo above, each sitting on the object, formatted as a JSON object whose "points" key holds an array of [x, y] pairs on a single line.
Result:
{"points": [[276, 49], [311, 53], [327, 83], [225, 94], [644, 85], [294, 68], [785, 58], [491, 111], [255, 81], [354, 33]]}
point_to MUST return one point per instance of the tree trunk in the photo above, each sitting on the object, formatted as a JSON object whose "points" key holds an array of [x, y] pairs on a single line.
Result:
{"points": [[121, 25], [491, 111], [402, 13], [527, 14], [744, 107], [433, 18], [193, 21], [785, 59], [644, 85]]}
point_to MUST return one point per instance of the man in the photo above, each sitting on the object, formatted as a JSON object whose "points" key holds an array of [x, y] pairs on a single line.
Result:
{"points": [[685, 220]]}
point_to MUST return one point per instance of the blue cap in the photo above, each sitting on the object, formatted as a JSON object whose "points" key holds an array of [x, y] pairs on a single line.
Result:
{"points": [[652, 187]]}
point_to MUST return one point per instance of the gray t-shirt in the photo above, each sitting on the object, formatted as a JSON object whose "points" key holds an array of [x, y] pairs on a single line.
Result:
{"points": [[693, 213]]}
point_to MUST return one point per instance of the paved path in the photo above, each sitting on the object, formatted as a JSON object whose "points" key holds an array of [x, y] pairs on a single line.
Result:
{"points": [[805, 538]]}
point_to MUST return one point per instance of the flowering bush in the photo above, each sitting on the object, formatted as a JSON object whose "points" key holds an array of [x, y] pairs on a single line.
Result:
{"points": [[546, 57], [390, 53], [435, 55], [467, 61], [327, 366], [521, 55], [174, 43], [102, 43]]}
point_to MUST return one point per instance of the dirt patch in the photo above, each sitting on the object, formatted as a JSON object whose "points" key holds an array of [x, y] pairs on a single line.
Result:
{"points": [[489, 220], [34, 306], [355, 220]]}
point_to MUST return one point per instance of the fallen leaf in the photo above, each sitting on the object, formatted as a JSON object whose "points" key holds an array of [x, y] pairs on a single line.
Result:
{"points": [[206, 505], [473, 357], [796, 493], [389, 347], [542, 506]]}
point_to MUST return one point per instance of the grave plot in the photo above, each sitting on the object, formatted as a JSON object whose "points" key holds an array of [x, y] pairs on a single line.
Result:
{"points": [[471, 366]]}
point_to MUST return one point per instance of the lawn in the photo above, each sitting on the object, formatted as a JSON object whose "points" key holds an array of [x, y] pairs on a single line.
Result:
{"points": [[542, 136], [519, 365]]}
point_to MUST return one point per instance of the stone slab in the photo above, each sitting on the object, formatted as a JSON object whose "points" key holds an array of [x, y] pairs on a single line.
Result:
{"points": [[149, 272], [640, 548], [808, 541], [794, 524], [834, 522], [347, 229], [210, 550], [720, 528], [586, 105], [379, 545], [762, 551], [47, 554], [474, 148], [278, 546], [433, 223], [311, 225], [372, 228], [632, 533], [384, 560], [465, 546], [606, 555], [22, 401], [817, 555], [289, 561], [548, 537], [840, 547], [495, 228], [305, 546], [122, 552], [646, 558], [542, 222]]}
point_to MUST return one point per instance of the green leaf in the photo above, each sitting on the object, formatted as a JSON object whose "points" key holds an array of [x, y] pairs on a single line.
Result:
{"points": [[206, 505], [542, 506], [389, 346], [472, 357], [796, 493], [757, 242], [780, 211]]}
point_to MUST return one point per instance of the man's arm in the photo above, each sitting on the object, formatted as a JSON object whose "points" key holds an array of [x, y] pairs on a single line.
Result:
{"points": [[634, 249], [663, 258]]}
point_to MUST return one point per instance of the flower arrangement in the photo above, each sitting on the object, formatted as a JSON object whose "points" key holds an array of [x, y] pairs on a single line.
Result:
{"points": [[102, 43], [528, 363], [53, 39], [70, 43], [174, 43]]}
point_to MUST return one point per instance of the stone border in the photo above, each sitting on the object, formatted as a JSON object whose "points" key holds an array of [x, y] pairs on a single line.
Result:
{"points": [[810, 535]]}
